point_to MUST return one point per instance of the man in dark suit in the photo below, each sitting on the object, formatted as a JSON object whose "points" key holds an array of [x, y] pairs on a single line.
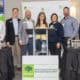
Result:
{"points": [[12, 36]]}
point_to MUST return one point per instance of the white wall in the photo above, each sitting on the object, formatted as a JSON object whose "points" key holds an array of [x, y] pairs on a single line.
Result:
{"points": [[76, 3], [9, 4]]}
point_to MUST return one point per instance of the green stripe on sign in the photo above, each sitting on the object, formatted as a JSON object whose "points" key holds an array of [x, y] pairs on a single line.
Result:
{"points": [[2, 17]]}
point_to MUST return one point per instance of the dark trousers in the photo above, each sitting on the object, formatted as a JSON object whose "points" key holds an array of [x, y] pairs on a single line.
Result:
{"points": [[27, 48], [38, 44], [23, 49], [55, 51]]}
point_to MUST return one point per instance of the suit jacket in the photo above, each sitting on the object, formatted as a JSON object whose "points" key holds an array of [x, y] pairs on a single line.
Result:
{"points": [[10, 34], [23, 36]]}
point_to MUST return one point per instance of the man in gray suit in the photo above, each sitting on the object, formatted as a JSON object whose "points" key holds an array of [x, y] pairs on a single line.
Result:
{"points": [[26, 40]]}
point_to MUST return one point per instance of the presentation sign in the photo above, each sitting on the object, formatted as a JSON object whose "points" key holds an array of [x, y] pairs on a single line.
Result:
{"points": [[40, 68], [48, 7]]}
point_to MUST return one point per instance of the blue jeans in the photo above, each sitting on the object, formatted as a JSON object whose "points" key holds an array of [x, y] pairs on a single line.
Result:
{"points": [[23, 49], [27, 48], [39, 44]]}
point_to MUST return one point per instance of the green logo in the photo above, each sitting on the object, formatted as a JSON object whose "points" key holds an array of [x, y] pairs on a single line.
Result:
{"points": [[25, 7], [42, 9], [2, 17], [28, 68], [28, 71]]}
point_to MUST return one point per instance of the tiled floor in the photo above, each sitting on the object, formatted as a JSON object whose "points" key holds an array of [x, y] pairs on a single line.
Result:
{"points": [[18, 75]]}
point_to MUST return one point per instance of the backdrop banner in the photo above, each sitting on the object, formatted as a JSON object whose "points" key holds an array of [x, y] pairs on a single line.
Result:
{"points": [[48, 7]]}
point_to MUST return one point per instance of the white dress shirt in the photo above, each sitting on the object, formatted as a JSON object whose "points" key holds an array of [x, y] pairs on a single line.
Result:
{"points": [[30, 26], [15, 24]]}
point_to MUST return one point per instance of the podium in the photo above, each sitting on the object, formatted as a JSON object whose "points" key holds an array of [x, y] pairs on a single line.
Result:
{"points": [[44, 46], [29, 31], [40, 31]]}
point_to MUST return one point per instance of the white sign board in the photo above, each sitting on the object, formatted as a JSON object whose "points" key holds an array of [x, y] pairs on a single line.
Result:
{"points": [[48, 7], [40, 68]]}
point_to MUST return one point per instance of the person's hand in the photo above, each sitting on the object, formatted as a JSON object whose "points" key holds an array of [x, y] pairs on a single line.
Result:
{"points": [[21, 42], [8, 44], [69, 39], [58, 45]]}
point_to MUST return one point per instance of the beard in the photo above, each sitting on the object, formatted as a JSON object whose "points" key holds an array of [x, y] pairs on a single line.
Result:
{"points": [[66, 14]]}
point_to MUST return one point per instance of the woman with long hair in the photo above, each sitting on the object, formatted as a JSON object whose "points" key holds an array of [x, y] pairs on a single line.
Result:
{"points": [[41, 24]]}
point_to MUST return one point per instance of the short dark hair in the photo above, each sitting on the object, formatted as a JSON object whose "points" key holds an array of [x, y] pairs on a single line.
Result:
{"points": [[15, 9], [53, 15], [66, 8]]}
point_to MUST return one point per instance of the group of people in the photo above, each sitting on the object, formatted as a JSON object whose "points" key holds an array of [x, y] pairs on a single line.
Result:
{"points": [[21, 42]]}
